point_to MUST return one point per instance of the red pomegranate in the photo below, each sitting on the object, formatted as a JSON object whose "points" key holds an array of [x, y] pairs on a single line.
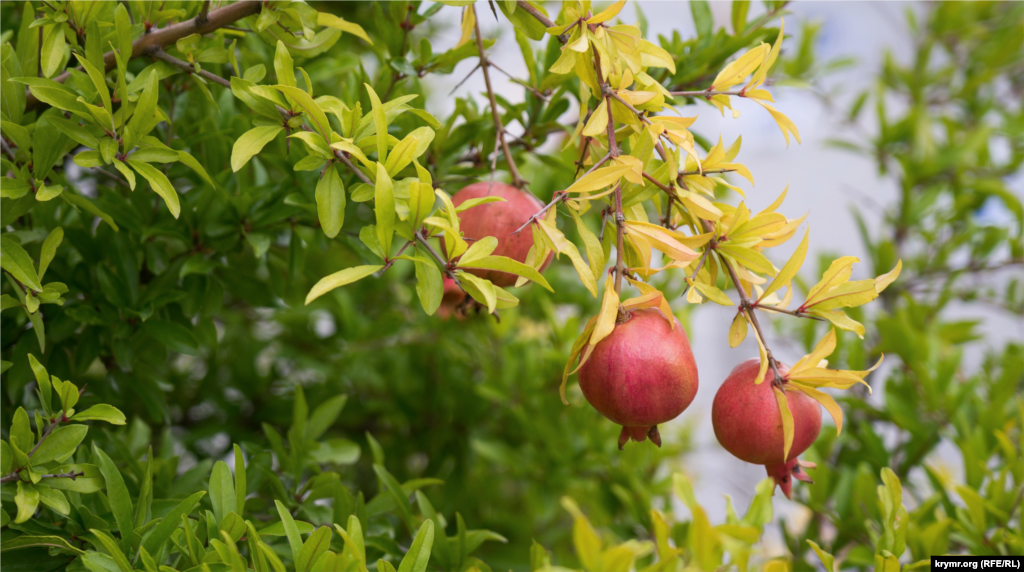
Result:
{"points": [[641, 375], [451, 299], [500, 220], [748, 423]]}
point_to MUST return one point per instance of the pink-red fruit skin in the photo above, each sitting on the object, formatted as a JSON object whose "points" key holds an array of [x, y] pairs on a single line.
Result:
{"points": [[500, 220], [451, 299], [641, 375], [748, 423]]}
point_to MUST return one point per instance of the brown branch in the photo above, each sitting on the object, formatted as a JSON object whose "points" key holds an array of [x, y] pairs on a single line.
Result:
{"points": [[71, 475], [794, 313], [395, 257], [706, 93], [560, 196], [158, 53], [517, 179], [747, 306], [613, 152], [421, 238], [7, 149], [540, 17], [167, 36]]}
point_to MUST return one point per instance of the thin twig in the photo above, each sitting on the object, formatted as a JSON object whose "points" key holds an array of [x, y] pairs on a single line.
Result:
{"points": [[560, 196], [613, 152], [706, 93], [748, 307], [7, 149], [794, 313], [517, 179], [70, 475], [526, 7], [158, 53], [420, 238], [395, 257], [204, 13]]}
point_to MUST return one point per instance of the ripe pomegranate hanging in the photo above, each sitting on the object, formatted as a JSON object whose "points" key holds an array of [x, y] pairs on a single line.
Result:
{"points": [[451, 299], [641, 375], [500, 220], [748, 423]]}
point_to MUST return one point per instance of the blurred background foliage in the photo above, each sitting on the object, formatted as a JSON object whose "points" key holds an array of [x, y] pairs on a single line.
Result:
{"points": [[474, 403]]}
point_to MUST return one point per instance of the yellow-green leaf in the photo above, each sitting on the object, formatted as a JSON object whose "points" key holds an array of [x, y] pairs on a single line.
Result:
{"points": [[346, 276], [787, 421]]}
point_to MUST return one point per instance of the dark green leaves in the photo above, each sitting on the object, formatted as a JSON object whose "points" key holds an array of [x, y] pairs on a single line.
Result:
{"points": [[173, 335], [60, 445], [17, 262], [117, 493]]}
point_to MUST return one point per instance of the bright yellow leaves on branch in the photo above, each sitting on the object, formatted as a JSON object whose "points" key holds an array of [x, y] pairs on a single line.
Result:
{"points": [[755, 63]]}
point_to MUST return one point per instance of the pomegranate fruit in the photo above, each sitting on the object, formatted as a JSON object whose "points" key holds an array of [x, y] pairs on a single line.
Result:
{"points": [[451, 299], [641, 375], [500, 220], [748, 423]]}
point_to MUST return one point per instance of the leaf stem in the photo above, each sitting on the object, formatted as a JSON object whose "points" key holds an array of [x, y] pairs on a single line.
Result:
{"points": [[70, 475], [560, 196], [420, 238]]}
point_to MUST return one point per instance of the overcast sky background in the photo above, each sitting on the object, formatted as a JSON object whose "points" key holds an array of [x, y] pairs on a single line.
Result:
{"points": [[823, 181]]}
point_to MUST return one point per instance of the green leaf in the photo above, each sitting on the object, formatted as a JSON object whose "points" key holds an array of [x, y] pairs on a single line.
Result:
{"points": [[314, 114], [702, 18], [169, 523], [290, 530], [222, 490], [315, 545], [324, 416], [330, 201], [142, 121], [52, 53], [241, 486], [74, 131], [17, 262], [505, 264], [160, 184], [332, 21], [27, 501], [251, 143], [97, 80], [479, 289], [101, 412], [60, 445], [380, 122], [173, 335], [117, 493], [397, 493], [347, 276], [418, 556], [384, 207], [739, 24], [284, 66], [277, 529], [429, 286], [50, 245], [13, 188], [123, 23], [27, 541]]}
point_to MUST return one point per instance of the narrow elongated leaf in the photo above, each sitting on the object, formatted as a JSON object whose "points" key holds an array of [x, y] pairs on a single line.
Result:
{"points": [[251, 143], [290, 530], [785, 276], [49, 249], [418, 556], [380, 122], [60, 445], [222, 490], [117, 492], [787, 421], [160, 185], [17, 262], [505, 264], [167, 525], [384, 207], [330, 202], [315, 545], [347, 276]]}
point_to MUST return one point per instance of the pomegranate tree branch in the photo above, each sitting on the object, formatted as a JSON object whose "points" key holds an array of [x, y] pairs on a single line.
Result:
{"points": [[395, 257], [747, 306], [69, 475], [422, 239], [517, 179], [204, 13], [560, 196], [540, 17], [158, 38], [794, 313], [613, 152], [158, 53], [706, 93]]}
